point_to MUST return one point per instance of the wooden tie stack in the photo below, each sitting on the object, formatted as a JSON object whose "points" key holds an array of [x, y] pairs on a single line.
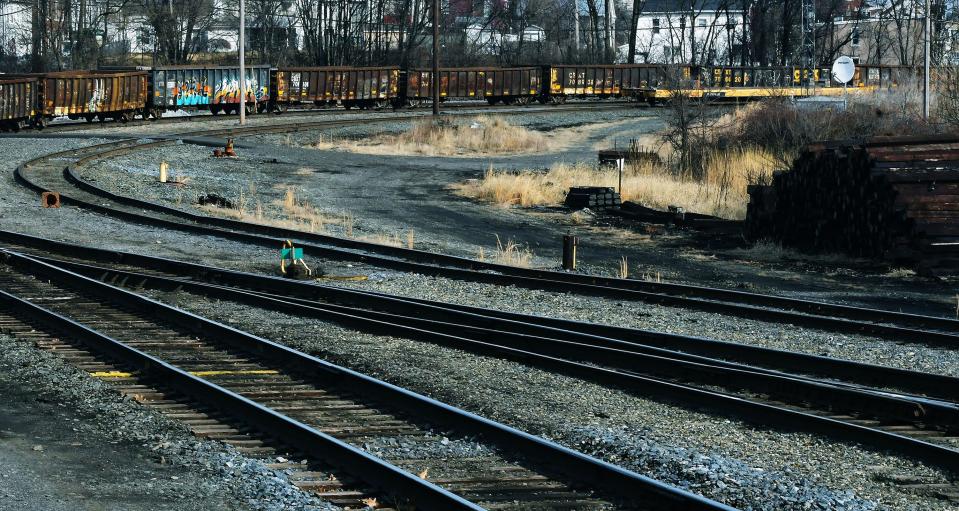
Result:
{"points": [[894, 198]]}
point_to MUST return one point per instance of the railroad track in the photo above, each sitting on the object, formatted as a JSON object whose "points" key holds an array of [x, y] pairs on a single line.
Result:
{"points": [[912, 414], [279, 398], [57, 172], [71, 126]]}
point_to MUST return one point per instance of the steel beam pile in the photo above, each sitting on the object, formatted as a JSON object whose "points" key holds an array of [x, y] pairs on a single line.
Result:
{"points": [[892, 198]]}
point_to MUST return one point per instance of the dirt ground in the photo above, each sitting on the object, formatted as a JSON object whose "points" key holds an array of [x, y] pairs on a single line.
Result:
{"points": [[49, 462], [393, 194]]}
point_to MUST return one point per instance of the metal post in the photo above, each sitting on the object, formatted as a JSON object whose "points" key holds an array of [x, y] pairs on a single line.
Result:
{"points": [[436, 57], [925, 75], [569, 252], [242, 62]]}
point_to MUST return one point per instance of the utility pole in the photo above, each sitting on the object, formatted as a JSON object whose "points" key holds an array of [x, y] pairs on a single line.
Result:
{"points": [[242, 62], [436, 58], [576, 30], [925, 74], [808, 42]]}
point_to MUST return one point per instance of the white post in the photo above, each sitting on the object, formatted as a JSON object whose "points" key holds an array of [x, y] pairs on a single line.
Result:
{"points": [[242, 62], [925, 74]]}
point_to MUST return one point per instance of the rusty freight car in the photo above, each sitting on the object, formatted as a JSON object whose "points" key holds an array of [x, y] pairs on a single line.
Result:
{"points": [[363, 87], [601, 81], [510, 85], [18, 102], [92, 95]]}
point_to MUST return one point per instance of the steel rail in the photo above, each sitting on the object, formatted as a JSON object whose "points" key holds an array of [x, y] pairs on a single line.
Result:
{"points": [[887, 405], [480, 107], [581, 469], [742, 304], [890, 324], [316, 443], [568, 358], [695, 349]]}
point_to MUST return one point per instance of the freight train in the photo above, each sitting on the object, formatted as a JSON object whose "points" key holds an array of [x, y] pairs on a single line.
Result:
{"points": [[31, 100]]}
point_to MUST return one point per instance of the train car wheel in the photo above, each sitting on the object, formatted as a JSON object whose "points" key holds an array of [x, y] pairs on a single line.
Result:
{"points": [[558, 100], [380, 104], [215, 109], [522, 100], [101, 117], [412, 103], [89, 117], [492, 101]]}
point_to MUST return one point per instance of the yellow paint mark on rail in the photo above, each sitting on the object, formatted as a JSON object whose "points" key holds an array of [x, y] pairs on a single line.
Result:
{"points": [[200, 374], [230, 373], [110, 374]]}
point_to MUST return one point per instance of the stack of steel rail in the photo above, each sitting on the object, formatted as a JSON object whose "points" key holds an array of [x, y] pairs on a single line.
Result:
{"points": [[895, 198]]}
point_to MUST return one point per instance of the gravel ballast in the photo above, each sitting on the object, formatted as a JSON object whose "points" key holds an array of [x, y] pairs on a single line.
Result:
{"points": [[207, 469], [720, 458]]}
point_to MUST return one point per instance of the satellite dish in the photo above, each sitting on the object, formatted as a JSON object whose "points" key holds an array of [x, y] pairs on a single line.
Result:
{"points": [[843, 69]]}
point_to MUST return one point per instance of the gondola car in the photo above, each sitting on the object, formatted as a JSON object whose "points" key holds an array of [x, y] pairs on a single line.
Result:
{"points": [[91, 95], [362, 87], [509, 85], [18, 102], [216, 89], [602, 81]]}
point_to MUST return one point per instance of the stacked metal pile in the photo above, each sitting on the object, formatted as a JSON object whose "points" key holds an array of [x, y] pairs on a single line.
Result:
{"points": [[895, 198]]}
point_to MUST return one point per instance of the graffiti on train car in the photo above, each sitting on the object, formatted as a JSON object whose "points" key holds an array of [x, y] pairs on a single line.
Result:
{"points": [[192, 92], [97, 99], [228, 91]]}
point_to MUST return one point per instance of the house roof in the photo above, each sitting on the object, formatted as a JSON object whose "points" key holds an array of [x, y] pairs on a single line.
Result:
{"points": [[677, 6]]}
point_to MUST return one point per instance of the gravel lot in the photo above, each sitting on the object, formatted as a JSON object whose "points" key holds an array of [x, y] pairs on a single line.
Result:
{"points": [[723, 459], [168, 467]]}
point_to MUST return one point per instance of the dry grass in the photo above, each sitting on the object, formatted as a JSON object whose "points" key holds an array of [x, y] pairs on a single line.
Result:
{"points": [[623, 271], [292, 213], [510, 254], [484, 135], [722, 192], [479, 136]]}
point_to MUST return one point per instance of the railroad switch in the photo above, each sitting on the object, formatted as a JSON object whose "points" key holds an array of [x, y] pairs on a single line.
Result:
{"points": [[292, 264]]}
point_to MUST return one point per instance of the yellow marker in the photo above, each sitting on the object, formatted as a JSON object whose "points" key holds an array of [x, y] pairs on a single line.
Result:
{"points": [[110, 374], [228, 373], [200, 374]]}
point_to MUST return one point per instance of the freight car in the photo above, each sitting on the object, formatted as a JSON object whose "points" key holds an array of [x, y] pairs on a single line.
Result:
{"points": [[509, 85], [735, 83], [90, 95], [216, 89], [18, 102], [602, 81], [363, 87]]}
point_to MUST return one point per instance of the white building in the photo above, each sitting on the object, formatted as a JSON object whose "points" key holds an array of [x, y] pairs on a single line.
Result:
{"points": [[683, 31]]}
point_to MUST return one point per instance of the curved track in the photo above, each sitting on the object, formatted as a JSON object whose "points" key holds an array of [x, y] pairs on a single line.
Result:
{"points": [[57, 173], [321, 409]]}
